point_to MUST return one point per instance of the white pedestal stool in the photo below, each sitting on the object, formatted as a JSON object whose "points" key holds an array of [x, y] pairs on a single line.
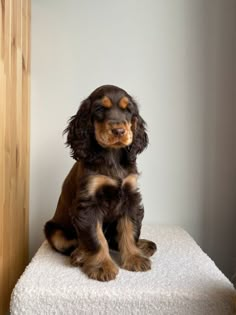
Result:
{"points": [[183, 281]]}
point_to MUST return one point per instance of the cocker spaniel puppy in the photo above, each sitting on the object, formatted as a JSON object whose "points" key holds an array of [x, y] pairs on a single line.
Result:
{"points": [[100, 204]]}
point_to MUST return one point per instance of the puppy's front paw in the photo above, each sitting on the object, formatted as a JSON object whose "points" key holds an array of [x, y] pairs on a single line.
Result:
{"points": [[137, 263], [78, 257], [106, 271], [148, 248]]}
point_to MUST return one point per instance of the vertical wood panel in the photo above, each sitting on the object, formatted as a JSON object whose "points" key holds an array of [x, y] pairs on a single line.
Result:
{"points": [[14, 143]]}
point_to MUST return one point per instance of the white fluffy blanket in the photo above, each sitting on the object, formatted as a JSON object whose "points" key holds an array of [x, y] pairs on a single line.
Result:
{"points": [[183, 281]]}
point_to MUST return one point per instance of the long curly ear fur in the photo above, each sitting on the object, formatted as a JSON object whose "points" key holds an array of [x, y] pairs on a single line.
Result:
{"points": [[140, 137], [79, 132]]}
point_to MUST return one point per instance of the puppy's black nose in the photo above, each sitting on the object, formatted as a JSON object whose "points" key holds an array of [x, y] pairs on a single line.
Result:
{"points": [[118, 131]]}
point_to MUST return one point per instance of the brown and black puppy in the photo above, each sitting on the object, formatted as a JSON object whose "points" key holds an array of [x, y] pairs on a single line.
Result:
{"points": [[100, 205]]}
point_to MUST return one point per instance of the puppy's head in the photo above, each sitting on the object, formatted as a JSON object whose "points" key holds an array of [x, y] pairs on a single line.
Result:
{"points": [[109, 118]]}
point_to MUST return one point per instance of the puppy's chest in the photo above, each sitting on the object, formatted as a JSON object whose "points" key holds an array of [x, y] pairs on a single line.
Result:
{"points": [[110, 193]]}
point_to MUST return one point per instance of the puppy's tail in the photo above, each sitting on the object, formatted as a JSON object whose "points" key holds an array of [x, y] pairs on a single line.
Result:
{"points": [[61, 240]]}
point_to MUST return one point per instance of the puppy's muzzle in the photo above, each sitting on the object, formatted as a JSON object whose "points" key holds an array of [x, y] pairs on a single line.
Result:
{"points": [[117, 127]]}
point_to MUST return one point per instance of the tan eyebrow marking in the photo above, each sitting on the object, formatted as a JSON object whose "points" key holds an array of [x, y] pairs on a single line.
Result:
{"points": [[106, 102], [123, 103]]}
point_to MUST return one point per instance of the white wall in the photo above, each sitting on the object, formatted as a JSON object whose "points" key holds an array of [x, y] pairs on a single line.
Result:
{"points": [[177, 57]]}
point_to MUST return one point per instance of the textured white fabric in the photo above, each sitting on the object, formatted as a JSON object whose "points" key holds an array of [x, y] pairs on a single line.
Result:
{"points": [[183, 281]]}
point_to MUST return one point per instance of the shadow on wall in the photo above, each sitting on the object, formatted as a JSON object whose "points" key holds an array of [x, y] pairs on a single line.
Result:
{"points": [[220, 151]]}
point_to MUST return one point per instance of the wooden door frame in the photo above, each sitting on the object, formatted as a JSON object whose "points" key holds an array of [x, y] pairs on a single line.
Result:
{"points": [[15, 22]]}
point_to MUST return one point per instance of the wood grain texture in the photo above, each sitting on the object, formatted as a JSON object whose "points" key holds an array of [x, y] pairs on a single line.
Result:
{"points": [[14, 143]]}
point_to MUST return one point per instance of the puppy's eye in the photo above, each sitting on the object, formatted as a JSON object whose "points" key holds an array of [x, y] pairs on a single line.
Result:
{"points": [[99, 109], [99, 112], [128, 109]]}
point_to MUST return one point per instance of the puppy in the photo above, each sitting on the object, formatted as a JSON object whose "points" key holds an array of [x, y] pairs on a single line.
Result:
{"points": [[100, 204]]}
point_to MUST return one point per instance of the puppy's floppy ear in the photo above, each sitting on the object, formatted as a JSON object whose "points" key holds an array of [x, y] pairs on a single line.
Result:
{"points": [[140, 137], [79, 132]]}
